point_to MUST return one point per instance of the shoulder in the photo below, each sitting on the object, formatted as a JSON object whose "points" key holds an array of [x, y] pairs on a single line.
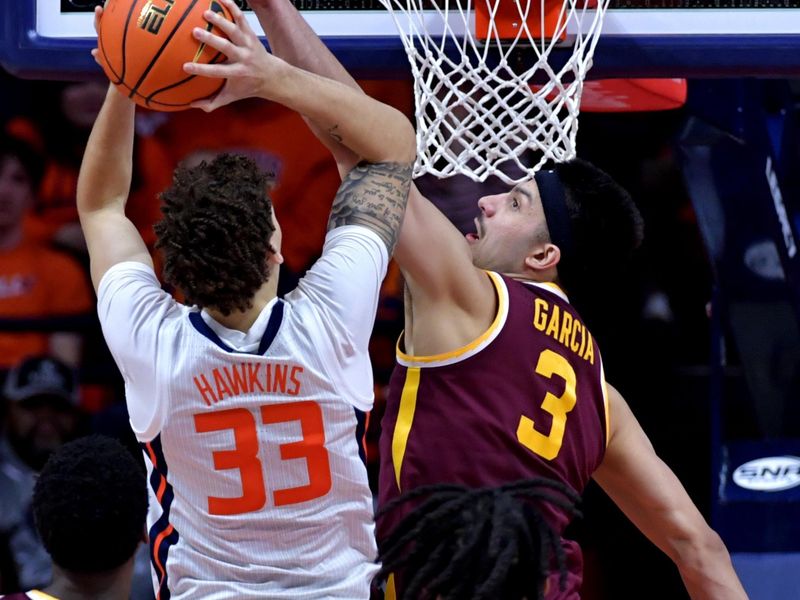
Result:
{"points": [[354, 260], [130, 292], [355, 235], [126, 273]]}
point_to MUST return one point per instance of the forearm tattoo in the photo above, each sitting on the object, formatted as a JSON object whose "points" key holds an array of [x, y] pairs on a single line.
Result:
{"points": [[373, 195]]}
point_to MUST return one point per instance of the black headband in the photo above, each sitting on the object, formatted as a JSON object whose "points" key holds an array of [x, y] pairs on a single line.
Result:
{"points": [[554, 204]]}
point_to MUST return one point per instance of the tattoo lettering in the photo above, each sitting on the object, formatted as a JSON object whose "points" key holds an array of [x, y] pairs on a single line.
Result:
{"points": [[374, 195]]}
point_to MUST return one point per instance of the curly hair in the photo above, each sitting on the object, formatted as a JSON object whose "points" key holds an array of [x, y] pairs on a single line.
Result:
{"points": [[606, 224], [90, 504], [483, 543], [216, 232]]}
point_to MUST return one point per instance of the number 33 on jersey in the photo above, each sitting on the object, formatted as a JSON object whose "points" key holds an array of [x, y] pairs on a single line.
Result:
{"points": [[244, 455]]}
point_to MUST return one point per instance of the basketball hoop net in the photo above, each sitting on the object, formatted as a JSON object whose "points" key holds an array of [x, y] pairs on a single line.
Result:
{"points": [[497, 85]]}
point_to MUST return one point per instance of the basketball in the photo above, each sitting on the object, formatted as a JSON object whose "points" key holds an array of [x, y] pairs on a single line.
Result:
{"points": [[143, 44]]}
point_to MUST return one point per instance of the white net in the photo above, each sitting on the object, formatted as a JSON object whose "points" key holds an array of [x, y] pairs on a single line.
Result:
{"points": [[504, 105]]}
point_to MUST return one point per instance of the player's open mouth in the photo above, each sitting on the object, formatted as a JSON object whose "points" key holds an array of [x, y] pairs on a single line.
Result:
{"points": [[476, 235]]}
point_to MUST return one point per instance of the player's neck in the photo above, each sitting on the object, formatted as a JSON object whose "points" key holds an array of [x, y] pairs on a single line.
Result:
{"points": [[242, 320], [109, 585], [543, 276]]}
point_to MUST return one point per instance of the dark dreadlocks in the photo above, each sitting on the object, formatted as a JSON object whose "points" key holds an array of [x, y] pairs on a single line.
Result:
{"points": [[216, 232], [478, 544]]}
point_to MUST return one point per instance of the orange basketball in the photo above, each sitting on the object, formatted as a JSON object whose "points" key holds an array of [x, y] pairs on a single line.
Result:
{"points": [[143, 44]]}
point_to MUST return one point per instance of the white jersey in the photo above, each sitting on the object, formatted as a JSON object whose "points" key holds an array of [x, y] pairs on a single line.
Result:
{"points": [[257, 486]]}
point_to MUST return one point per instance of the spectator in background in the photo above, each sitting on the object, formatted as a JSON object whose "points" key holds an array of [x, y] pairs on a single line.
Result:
{"points": [[41, 398], [36, 282], [56, 122], [89, 505]]}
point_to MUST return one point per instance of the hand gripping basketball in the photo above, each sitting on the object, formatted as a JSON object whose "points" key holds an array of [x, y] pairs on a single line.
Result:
{"points": [[250, 70], [143, 45]]}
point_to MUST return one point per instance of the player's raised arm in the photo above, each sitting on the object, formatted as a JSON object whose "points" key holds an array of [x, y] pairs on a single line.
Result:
{"points": [[293, 40], [103, 186], [373, 130], [651, 496], [432, 253], [374, 194]]}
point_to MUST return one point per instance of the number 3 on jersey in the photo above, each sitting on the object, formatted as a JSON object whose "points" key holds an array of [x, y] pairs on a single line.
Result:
{"points": [[244, 454], [547, 446]]}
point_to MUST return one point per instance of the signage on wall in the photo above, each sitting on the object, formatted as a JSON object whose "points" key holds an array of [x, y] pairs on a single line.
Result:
{"points": [[769, 474]]}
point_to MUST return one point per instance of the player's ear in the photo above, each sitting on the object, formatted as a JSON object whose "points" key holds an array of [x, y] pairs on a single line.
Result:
{"points": [[274, 258], [543, 256]]}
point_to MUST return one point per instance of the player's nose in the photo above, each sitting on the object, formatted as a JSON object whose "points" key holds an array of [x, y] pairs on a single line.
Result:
{"points": [[487, 205]]}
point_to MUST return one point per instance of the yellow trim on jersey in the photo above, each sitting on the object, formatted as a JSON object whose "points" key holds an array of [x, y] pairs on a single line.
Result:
{"points": [[502, 309], [37, 595], [405, 416], [390, 593], [604, 387], [553, 286]]}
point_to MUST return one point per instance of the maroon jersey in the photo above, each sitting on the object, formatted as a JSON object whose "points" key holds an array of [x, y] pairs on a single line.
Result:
{"points": [[526, 399]]}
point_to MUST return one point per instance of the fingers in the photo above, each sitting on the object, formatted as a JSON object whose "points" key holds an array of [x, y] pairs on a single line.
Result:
{"points": [[238, 17], [235, 42], [98, 13], [229, 28], [238, 30], [217, 70], [217, 42], [204, 105], [212, 103], [227, 45], [236, 12], [237, 33]]}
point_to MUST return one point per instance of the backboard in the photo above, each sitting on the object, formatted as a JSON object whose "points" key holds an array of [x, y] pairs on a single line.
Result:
{"points": [[656, 38]]}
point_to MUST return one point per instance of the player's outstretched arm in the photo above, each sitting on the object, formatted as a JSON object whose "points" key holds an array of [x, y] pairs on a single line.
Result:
{"points": [[292, 39], [652, 497], [103, 186], [432, 253], [374, 131]]}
